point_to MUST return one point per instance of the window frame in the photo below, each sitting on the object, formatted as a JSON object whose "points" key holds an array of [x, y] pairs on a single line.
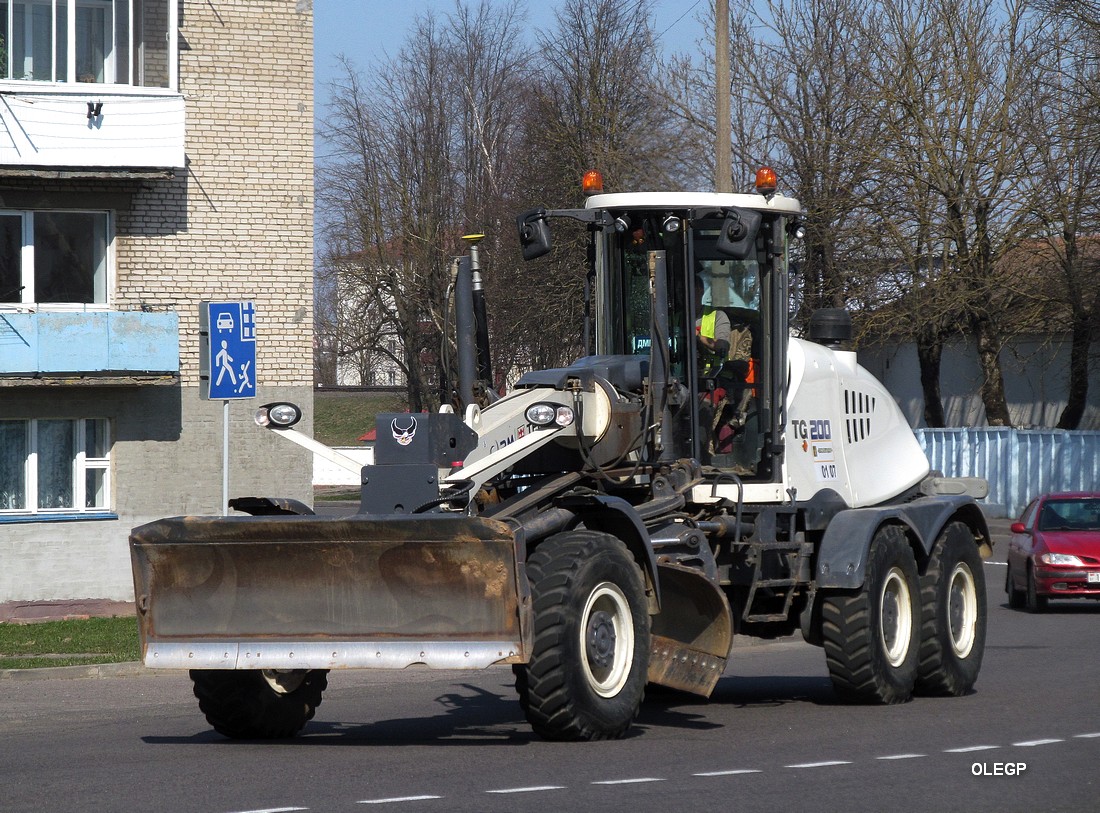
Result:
{"points": [[134, 47], [81, 464], [28, 295]]}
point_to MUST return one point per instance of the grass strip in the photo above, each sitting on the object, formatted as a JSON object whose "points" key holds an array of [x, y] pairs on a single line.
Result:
{"points": [[74, 642]]}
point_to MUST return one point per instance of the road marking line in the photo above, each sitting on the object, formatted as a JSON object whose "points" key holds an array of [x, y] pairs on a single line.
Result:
{"points": [[828, 764], [396, 799], [1002, 564], [637, 781], [903, 756], [532, 789], [1087, 736], [275, 810], [969, 749], [1030, 743], [728, 773]]}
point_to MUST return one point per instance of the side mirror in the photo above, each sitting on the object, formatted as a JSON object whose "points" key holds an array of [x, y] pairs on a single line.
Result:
{"points": [[738, 235], [1018, 528], [534, 233]]}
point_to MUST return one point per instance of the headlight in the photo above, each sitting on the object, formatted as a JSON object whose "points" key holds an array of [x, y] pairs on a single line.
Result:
{"points": [[540, 414], [546, 414], [1060, 559], [563, 416], [277, 416]]}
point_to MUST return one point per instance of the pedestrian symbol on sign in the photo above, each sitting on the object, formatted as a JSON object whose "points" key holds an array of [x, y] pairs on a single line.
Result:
{"points": [[224, 363]]}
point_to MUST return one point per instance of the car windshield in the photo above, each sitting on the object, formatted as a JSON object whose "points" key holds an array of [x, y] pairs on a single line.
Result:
{"points": [[1070, 514]]}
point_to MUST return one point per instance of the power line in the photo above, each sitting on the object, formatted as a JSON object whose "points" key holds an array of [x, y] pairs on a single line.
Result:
{"points": [[677, 20]]}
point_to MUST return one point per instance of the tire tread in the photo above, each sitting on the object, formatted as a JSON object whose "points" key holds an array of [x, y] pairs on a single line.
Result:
{"points": [[545, 694], [848, 635]]}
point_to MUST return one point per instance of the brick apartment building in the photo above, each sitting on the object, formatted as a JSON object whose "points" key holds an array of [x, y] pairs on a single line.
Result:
{"points": [[153, 154]]}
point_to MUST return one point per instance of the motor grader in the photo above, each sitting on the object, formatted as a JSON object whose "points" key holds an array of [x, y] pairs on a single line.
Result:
{"points": [[606, 525]]}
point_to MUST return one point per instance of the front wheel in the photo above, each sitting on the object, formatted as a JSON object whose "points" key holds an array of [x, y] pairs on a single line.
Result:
{"points": [[1015, 596], [1035, 602], [590, 655], [259, 704], [871, 635], [953, 615]]}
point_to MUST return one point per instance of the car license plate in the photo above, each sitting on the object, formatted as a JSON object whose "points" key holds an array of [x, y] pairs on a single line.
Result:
{"points": [[1094, 578]]}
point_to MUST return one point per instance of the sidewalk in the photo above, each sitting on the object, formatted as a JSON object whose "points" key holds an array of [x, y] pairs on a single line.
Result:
{"points": [[62, 610]]}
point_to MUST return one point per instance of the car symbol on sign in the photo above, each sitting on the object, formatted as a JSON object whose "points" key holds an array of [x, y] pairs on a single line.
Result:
{"points": [[225, 322]]}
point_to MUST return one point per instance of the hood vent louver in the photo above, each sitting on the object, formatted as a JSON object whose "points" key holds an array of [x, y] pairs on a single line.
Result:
{"points": [[858, 409]]}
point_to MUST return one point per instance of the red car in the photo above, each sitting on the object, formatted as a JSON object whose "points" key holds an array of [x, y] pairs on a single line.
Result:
{"points": [[1055, 551]]}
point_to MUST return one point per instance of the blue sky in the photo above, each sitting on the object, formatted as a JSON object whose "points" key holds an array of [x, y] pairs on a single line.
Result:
{"points": [[367, 30]]}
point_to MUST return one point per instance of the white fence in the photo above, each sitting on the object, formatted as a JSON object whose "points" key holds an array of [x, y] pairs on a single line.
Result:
{"points": [[327, 473]]}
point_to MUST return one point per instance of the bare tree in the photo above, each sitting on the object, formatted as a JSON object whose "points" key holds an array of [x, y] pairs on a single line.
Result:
{"points": [[589, 104], [421, 155], [1063, 160], [951, 79], [686, 95], [805, 69], [593, 104]]}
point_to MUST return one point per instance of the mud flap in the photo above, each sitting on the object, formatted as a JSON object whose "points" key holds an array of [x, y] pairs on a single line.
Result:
{"points": [[692, 634], [306, 592]]}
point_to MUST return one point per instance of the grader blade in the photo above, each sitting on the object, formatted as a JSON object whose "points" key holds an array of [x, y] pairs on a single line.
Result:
{"points": [[307, 592], [692, 634]]}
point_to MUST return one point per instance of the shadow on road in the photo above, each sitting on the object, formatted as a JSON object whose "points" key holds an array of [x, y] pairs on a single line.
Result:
{"points": [[471, 714], [474, 715]]}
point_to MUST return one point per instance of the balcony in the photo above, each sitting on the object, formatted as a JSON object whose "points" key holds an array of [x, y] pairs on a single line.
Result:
{"points": [[90, 89], [96, 347], [89, 132]]}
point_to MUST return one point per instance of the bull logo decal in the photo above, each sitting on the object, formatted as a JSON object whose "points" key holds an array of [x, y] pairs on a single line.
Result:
{"points": [[403, 434]]}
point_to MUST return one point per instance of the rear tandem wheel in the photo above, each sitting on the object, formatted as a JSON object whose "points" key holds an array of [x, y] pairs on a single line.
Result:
{"points": [[953, 615], [872, 635]]}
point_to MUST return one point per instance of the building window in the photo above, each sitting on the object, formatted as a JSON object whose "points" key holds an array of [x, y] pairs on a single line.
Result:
{"points": [[54, 258], [54, 466], [120, 42]]}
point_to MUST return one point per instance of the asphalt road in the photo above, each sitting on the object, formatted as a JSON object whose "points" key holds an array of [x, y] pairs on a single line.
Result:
{"points": [[772, 737]]}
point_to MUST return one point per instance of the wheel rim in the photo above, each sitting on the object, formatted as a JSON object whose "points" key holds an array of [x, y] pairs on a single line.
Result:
{"points": [[962, 609], [895, 616], [284, 681], [607, 639]]}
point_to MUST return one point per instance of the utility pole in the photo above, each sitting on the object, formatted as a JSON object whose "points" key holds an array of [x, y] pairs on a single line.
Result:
{"points": [[723, 162]]}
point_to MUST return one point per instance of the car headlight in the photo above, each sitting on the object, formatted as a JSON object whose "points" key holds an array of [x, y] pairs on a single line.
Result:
{"points": [[546, 414], [1060, 559], [277, 416]]}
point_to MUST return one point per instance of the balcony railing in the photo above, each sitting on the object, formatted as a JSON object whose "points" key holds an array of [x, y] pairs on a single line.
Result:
{"points": [[89, 128], [102, 343]]}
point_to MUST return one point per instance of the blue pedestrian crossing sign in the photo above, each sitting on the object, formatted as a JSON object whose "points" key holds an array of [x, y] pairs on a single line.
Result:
{"points": [[227, 358]]}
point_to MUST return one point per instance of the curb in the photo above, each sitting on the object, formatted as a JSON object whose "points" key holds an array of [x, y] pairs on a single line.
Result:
{"points": [[95, 670]]}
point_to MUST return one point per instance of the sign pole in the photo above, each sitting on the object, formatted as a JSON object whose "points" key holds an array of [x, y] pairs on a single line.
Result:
{"points": [[225, 458]]}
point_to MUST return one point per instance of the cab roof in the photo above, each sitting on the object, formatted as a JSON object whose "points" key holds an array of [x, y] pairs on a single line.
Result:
{"points": [[693, 200]]}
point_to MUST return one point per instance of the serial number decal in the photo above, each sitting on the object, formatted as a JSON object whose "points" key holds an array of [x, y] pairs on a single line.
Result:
{"points": [[824, 461]]}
